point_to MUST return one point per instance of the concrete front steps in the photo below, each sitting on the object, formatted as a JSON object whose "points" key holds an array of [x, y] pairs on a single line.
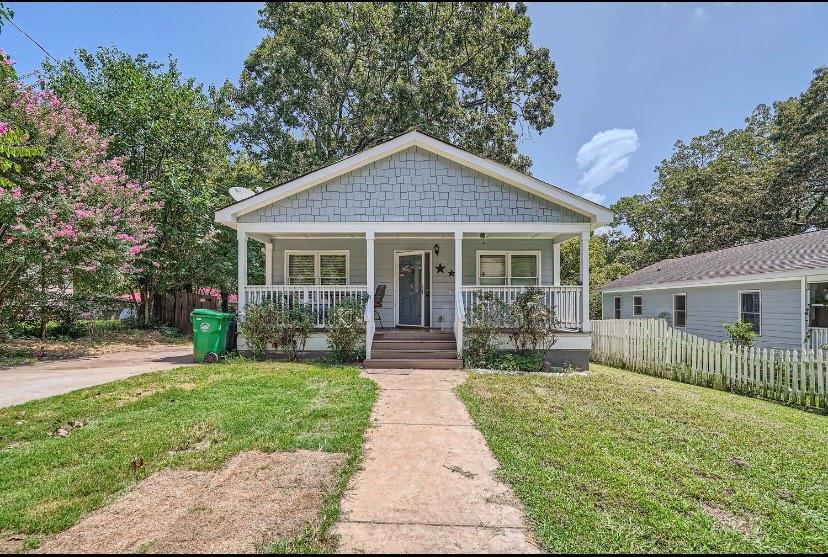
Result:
{"points": [[413, 349]]}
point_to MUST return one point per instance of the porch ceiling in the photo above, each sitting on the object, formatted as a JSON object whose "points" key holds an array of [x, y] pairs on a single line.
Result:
{"points": [[555, 237]]}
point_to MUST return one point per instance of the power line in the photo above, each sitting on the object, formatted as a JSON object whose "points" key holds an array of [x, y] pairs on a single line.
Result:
{"points": [[40, 46]]}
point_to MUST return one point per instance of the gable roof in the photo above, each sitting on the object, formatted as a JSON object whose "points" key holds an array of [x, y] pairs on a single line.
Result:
{"points": [[789, 256], [598, 214]]}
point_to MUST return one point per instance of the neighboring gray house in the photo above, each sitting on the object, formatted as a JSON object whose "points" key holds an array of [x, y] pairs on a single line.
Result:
{"points": [[434, 226], [781, 286]]}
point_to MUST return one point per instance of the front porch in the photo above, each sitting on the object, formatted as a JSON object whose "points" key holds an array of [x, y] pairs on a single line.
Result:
{"points": [[417, 279]]}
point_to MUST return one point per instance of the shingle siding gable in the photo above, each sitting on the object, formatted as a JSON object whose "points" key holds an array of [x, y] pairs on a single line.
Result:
{"points": [[414, 185]]}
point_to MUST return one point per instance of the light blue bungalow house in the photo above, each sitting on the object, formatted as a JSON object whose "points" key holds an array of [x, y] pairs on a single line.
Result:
{"points": [[780, 286], [421, 227]]}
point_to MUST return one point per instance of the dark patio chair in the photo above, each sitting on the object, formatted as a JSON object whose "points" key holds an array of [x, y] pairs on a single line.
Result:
{"points": [[379, 294]]}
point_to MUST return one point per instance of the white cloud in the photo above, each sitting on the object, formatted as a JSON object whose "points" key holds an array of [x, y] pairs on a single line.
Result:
{"points": [[604, 156], [700, 15]]}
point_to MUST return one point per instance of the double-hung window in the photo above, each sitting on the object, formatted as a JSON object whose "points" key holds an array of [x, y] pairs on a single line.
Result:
{"points": [[679, 310], [638, 306], [508, 268], [617, 307], [750, 309], [316, 267]]}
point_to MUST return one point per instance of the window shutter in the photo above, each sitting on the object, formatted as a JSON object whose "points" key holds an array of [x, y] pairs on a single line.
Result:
{"points": [[493, 269], [524, 270], [333, 269], [301, 269]]}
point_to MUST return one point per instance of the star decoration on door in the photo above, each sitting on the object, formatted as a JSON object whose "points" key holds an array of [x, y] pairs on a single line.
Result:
{"points": [[441, 268], [451, 273]]}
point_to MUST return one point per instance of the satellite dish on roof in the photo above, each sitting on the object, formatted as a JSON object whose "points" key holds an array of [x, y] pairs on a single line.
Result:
{"points": [[238, 193]]}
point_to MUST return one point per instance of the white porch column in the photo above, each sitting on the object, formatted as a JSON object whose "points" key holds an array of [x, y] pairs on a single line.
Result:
{"points": [[458, 262], [458, 292], [556, 263], [369, 269], [242, 268], [269, 262], [585, 326], [370, 326]]}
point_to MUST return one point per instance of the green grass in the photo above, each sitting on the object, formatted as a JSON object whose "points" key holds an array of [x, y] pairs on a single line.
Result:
{"points": [[48, 483], [620, 462]]}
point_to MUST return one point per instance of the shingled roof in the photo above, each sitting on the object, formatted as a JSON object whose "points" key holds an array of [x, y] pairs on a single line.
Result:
{"points": [[792, 253]]}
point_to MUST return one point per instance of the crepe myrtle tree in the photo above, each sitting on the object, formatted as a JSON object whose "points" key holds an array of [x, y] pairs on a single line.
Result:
{"points": [[72, 219]]}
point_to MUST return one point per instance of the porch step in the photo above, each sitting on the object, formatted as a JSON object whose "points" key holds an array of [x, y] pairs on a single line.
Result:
{"points": [[409, 354], [381, 344], [374, 363], [413, 335], [413, 348]]}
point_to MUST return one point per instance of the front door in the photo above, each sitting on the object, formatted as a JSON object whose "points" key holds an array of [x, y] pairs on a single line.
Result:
{"points": [[412, 288]]}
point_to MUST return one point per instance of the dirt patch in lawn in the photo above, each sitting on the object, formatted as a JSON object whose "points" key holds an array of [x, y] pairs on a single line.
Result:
{"points": [[254, 500], [722, 518]]}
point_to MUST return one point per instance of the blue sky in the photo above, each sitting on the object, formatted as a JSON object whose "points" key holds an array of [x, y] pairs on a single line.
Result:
{"points": [[633, 78]]}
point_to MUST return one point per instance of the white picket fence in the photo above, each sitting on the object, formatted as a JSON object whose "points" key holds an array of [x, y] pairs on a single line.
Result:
{"points": [[650, 346]]}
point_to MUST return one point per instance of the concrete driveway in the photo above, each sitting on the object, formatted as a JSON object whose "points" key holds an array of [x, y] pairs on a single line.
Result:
{"points": [[428, 482], [25, 383]]}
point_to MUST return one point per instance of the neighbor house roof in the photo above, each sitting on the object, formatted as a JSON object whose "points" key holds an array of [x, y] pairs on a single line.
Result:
{"points": [[598, 214], [791, 256]]}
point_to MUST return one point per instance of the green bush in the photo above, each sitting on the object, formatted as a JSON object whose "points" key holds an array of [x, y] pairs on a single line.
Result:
{"points": [[286, 327], [257, 328], [346, 330], [480, 339], [511, 361], [741, 333], [533, 326], [292, 329]]}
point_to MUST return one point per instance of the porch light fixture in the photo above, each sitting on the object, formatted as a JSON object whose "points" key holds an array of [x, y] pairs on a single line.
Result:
{"points": [[436, 249], [483, 237]]}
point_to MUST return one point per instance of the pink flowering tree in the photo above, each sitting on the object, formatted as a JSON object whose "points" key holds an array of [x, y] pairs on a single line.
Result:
{"points": [[72, 221]]}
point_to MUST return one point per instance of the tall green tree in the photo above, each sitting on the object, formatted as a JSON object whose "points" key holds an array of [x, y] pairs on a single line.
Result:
{"points": [[332, 79], [172, 135], [801, 134], [765, 180]]}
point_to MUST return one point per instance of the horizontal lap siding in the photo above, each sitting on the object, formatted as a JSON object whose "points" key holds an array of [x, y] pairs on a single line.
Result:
{"points": [[709, 307], [442, 283]]}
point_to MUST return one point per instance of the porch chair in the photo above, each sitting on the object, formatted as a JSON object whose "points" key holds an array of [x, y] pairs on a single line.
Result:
{"points": [[379, 294]]}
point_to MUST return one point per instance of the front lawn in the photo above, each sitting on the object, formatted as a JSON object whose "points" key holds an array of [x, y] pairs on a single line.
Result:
{"points": [[193, 417], [619, 462]]}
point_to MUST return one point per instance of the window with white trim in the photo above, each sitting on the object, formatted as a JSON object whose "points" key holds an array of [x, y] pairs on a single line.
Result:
{"points": [[679, 310], [638, 305], [617, 307], [508, 268], [316, 267], [750, 309]]}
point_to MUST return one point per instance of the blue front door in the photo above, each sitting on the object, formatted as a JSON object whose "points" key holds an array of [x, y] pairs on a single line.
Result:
{"points": [[411, 290]]}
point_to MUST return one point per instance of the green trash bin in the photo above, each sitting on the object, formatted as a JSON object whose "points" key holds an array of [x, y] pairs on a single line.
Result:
{"points": [[210, 331]]}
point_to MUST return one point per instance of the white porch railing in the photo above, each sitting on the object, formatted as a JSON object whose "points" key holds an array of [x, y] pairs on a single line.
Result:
{"points": [[565, 300], [818, 337], [319, 299]]}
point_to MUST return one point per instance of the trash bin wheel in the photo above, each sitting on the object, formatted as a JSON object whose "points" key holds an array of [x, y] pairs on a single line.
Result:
{"points": [[211, 358]]}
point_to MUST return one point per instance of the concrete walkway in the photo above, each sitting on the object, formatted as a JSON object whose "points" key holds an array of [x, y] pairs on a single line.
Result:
{"points": [[428, 481], [29, 382]]}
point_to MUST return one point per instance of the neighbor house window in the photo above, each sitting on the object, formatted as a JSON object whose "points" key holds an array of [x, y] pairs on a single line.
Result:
{"points": [[750, 309], [502, 268], [638, 305], [617, 308], [679, 310], [316, 267]]}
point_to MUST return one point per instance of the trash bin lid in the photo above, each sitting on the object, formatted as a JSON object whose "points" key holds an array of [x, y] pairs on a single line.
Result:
{"points": [[204, 312]]}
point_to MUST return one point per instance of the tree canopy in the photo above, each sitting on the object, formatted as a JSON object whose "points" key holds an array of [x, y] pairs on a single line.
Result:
{"points": [[332, 79], [765, 180]]}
